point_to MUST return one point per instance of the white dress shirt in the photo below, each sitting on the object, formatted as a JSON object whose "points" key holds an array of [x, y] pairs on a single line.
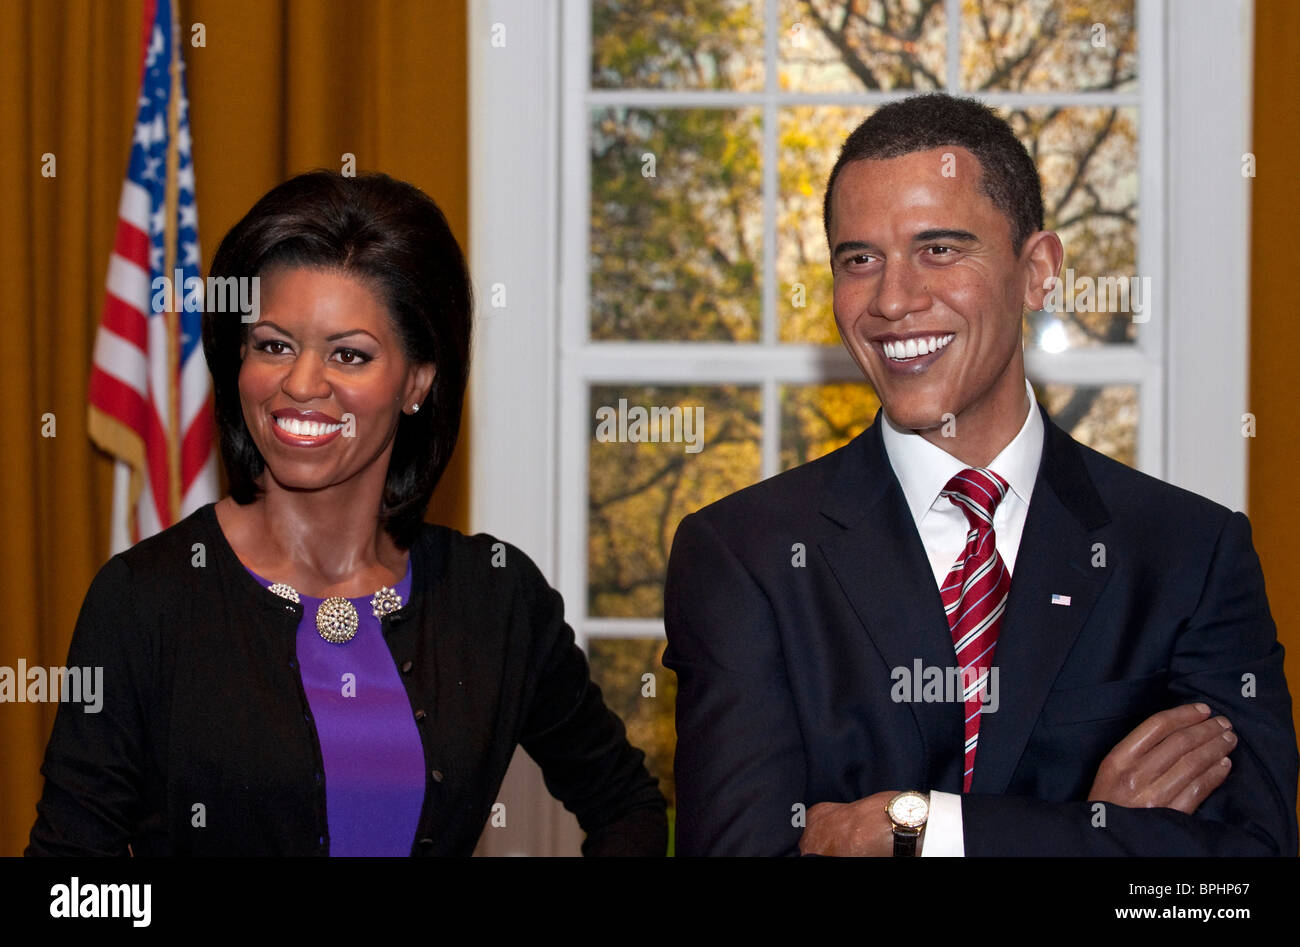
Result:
{"points": [[923, 470]]}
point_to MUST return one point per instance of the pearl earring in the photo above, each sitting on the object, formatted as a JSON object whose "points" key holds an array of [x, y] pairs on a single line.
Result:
{"points": [[415, 407]]}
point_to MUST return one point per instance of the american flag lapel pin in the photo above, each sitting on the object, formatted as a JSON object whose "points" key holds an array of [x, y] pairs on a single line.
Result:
{"points": [[1058, 599]]}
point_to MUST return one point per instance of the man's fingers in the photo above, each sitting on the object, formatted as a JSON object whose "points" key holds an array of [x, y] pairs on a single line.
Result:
{"points": [[1196, 791], [1162, 757], [1155, 728], [1207, 736], [1191, 752]]}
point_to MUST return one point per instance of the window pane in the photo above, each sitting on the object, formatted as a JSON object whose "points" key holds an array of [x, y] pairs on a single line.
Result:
{"points": [[1087, 160], [619, 666], [1105, 417], [810, 141], [639, 489], [676, 224], [677, 44], [1049, 45], [837, 46], [816, 419]]}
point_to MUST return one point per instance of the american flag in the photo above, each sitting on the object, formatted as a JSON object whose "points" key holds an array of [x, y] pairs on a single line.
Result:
{"points": [[150, 401]]}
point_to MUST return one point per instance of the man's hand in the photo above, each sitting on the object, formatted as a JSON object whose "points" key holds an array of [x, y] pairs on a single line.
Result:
{"points": [[849, 828], [1173, 759]]}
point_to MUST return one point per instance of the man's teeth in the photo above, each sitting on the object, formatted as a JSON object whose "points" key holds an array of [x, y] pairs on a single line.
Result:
{"points": [[306, 428], [911, 348]]}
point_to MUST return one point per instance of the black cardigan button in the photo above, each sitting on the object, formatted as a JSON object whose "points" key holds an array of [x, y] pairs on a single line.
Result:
{"points": [[437, 775], [419, 716], [406, 666]]}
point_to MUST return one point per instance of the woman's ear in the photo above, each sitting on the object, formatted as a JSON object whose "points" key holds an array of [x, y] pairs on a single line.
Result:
{"points": [[417, 391]]}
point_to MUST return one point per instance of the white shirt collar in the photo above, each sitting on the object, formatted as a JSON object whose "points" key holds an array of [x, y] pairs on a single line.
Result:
{"points": [[923, 469]]}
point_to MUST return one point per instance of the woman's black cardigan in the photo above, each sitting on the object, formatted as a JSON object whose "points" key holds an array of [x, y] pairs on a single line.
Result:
{"points": [[205, 743]]}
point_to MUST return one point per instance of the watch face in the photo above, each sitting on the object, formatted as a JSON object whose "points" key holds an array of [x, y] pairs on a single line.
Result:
{"points": [[909, 809]]}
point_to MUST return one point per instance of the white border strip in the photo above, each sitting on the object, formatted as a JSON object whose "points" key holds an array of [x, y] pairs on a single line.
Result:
{"points": [[1210, 50], [513, 403]]}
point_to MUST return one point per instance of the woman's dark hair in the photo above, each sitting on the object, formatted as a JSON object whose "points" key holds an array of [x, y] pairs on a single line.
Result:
{"points": [[392, 237], [922, 122]]}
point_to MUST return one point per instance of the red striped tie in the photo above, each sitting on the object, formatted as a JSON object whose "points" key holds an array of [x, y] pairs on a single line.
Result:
{"points": [[975, 593]]}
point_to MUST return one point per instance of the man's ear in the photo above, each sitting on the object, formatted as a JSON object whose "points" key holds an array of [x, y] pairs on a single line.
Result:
{"points": [[1041, 259]]}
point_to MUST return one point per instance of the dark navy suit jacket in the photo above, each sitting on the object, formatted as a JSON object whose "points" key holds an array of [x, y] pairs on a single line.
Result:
{"points": [[790, 603]]}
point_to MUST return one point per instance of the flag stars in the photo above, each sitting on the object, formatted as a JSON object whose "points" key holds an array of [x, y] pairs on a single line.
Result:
{"points": [[151, 166], [191, 251], [158, 220], [157, 44], [144, 135], [185, 177], [189, 215]]}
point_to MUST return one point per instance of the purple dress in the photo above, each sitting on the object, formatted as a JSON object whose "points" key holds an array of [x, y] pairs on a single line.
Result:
{"points": [[369, 741]]}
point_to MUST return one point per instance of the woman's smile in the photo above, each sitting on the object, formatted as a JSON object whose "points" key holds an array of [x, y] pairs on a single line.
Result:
{"points": [[304, 428]]}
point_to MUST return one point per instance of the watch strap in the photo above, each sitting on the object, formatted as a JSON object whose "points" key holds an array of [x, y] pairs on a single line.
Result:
{"points": [[905, 842]]}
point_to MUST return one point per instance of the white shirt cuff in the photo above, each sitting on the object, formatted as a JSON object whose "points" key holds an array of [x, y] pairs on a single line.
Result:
{"points": [[943, 829]]}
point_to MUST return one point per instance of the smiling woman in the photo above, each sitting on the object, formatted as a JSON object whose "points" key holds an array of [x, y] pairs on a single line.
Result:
{"points": [[306, 667], [353, 270]]}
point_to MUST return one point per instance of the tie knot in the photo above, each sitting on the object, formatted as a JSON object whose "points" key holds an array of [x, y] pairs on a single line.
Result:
{"points": [[976, 491]]}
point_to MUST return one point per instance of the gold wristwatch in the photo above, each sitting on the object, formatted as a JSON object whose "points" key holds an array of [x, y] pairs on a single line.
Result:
{"points": [[908, 811]]}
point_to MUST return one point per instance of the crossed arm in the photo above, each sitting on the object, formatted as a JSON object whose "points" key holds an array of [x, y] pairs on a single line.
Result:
{"points": [[1174, 759], [1164, 787]]}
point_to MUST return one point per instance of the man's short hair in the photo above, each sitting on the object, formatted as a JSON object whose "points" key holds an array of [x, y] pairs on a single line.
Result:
{"points": [[922, 122]]}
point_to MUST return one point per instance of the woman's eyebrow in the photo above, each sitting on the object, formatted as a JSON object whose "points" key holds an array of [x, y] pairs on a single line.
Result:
{"points": [[329, 338], [343, 335], [268, 324]]}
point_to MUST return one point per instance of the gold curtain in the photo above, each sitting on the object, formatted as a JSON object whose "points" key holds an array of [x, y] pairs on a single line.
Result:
{"points": [[1274, 453], [281, 86]]}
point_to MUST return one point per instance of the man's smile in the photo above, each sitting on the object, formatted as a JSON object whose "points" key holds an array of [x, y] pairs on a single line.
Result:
{"points": [[914, 352]]}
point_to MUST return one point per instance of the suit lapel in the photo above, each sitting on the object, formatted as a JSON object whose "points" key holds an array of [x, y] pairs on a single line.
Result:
{"points": [[882, 567], [1054, 558]]}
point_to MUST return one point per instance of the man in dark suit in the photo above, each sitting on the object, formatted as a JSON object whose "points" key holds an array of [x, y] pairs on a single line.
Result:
{"points": [[964, 632]]}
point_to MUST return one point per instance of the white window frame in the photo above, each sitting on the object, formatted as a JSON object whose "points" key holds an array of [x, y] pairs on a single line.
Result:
{"points": [[529, 198]]}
